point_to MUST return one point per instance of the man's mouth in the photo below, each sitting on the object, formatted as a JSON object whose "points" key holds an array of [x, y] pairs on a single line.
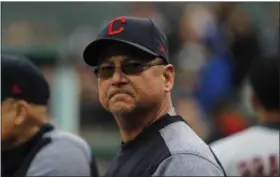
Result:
{"points": [[118, 93]]}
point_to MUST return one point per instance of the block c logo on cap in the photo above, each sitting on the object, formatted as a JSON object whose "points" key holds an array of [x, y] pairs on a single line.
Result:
{"points": [[111, 31]]}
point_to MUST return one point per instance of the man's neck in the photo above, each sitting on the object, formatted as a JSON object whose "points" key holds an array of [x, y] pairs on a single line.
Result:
{"points": [[129, 130], [22, 137]]}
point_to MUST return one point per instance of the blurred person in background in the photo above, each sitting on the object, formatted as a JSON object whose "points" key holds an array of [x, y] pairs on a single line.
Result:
{"points": [[255, 151], [216, 89], [205, 67], [189, 58], [270, 39], [134, 81], [30, 145], [231, 46], [243, 41]]}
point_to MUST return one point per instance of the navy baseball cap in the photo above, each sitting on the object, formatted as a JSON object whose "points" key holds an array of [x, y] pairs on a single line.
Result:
{"points": [[140, 33], [21, 79]]}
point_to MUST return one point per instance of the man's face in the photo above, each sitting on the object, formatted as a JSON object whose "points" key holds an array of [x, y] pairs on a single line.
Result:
{"points": [[123, 91]]}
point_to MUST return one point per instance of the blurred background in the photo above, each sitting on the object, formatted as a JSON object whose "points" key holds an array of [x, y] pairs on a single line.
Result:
{"points": [[212, 45]]}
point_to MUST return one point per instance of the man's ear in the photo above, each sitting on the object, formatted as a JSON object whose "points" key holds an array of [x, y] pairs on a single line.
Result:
{"points": [[169, 77], [21, 108]]}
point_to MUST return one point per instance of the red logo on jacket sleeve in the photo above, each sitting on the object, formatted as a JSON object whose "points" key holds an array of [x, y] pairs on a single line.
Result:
{"points": [[112, 31]]}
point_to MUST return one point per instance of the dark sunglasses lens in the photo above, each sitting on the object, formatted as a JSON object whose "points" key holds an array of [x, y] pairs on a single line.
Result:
{"points": [[132, 68], [104, 72]]}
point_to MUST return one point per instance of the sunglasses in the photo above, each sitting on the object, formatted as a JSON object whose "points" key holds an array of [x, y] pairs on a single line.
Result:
{"points": [[132, 68]]}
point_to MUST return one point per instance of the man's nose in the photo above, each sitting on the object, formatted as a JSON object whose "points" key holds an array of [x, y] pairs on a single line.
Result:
{"points": [[118, 77]]}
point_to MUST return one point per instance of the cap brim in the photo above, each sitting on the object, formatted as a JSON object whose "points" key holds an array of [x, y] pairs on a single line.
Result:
{"points": [[94, 49]]}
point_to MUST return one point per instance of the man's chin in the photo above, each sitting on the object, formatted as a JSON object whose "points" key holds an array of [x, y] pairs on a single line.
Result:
{"points": [[121, 109]]}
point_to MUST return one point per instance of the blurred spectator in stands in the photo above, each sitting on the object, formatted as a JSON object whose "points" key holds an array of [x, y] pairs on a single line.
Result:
{"points": [[18, 33], [243, 50], [148, 10], [244, 44], [189, 58], [270, 33], [213, 60], [215, 77]]}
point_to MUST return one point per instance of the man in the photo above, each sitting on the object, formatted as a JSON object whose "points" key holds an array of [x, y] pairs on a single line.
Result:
{"points": [[130, 58], [255, 151], [30, 145]]}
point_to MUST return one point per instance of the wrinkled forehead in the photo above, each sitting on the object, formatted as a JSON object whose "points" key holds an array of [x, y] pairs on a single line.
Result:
{"points": [[120, 51]]}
